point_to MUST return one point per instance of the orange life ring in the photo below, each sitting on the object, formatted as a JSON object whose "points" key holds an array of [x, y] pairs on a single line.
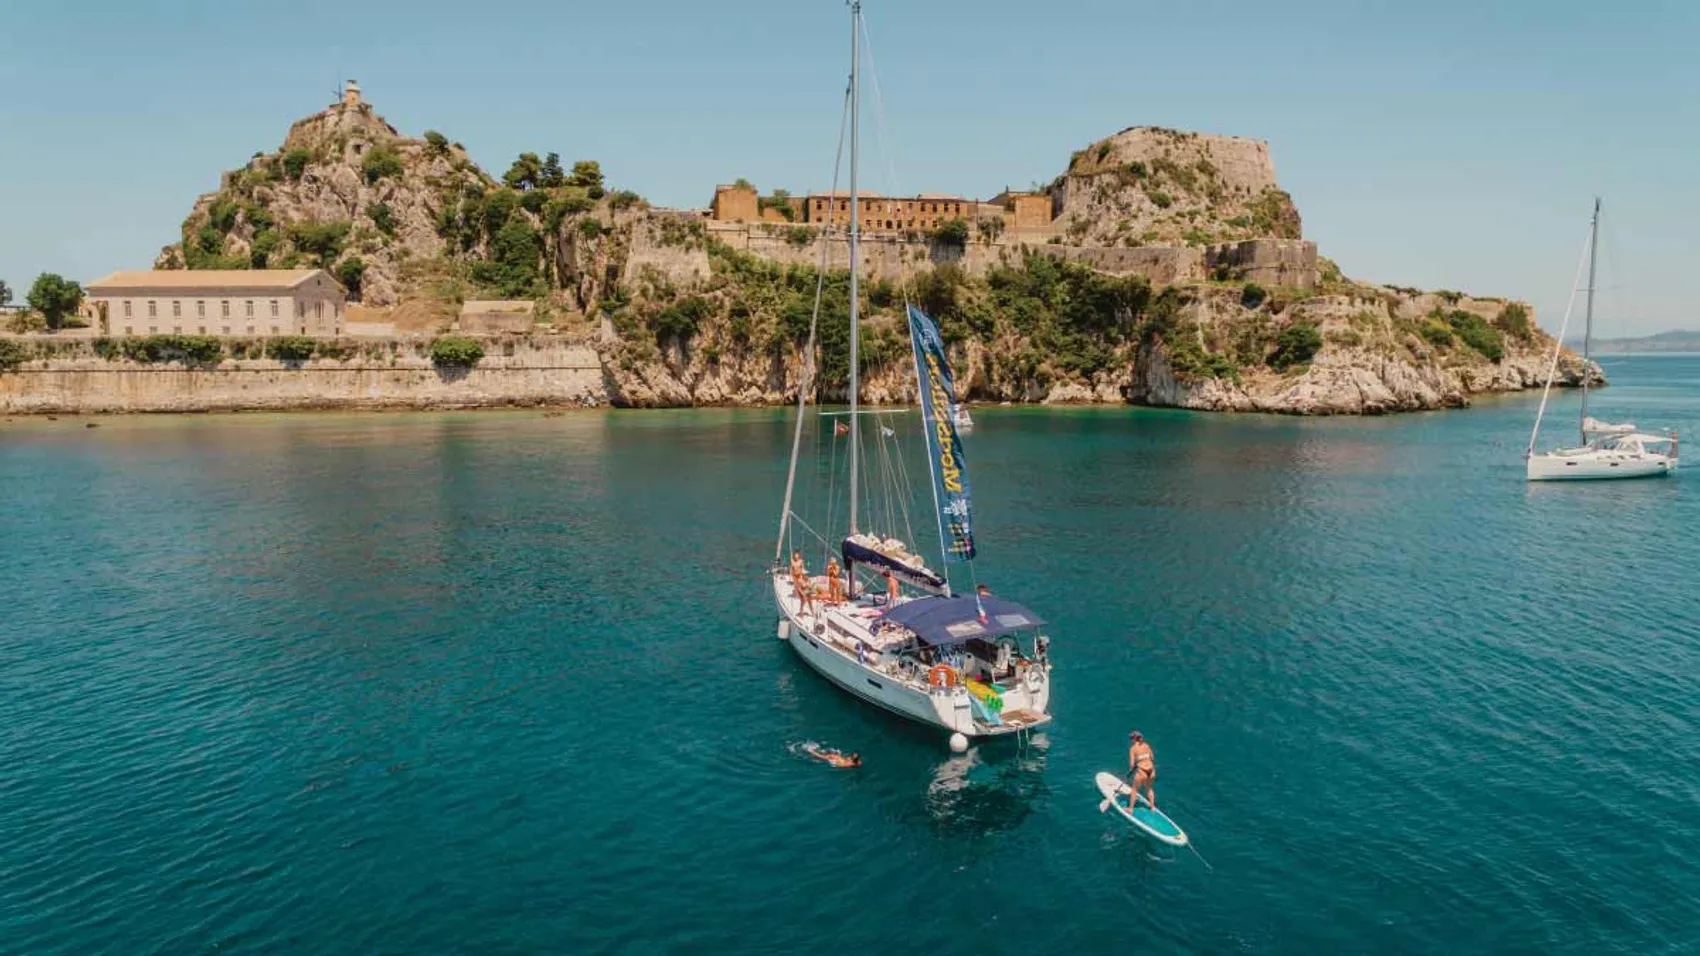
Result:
{"points": [[942, 675]]}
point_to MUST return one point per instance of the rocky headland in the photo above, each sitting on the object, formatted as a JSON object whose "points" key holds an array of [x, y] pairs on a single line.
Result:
{"points": [[1174, 272]]}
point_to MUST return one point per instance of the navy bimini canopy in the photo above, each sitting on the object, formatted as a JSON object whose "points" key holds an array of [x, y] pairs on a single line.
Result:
{"points": [[955, 620]]}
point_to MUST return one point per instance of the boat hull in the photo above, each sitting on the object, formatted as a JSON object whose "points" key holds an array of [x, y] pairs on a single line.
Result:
{"points": [[1598, 467]]}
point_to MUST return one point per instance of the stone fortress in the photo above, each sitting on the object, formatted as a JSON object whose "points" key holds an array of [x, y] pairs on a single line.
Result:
{"points": [[1170, 206]]}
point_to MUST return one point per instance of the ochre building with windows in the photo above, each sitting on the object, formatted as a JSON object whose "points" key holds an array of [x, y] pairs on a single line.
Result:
{"points": [[241, 302], [887, 214], [1020, 212]]}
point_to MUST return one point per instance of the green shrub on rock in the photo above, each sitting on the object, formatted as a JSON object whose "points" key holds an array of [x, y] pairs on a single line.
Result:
{"points": [[455, 351], [295, 162], [1297, 344], [383, 217], [381, 162], [1514, 319], [290, 348], [12, 355], [951, 232], [189, 349], [1474, 331]]}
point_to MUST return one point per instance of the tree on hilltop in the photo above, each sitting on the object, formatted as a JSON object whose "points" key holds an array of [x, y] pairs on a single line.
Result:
{"points": [[587, 173], [55, 297], [552, 174], [524, 173]]}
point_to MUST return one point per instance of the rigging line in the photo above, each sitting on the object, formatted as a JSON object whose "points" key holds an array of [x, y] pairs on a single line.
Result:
{"points": [[904, 488], [805, 526], [806, 377], [1558, 345], [1609, 247], [903, 281], [814, 321], [886, 148], [891, 485], [903, 479], [832, 476]]}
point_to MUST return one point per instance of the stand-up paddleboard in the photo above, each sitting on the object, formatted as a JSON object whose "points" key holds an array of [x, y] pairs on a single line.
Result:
{"points": [[1142, 814]]}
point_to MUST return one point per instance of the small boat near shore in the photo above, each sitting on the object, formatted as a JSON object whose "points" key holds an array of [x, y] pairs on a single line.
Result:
{"points": [[964, 421]]}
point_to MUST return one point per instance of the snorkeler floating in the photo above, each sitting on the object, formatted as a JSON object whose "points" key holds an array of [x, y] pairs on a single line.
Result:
{"points": [[834, 757]]}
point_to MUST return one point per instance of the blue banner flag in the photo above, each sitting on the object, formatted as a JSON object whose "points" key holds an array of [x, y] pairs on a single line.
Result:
{"points": [[949, 466]]}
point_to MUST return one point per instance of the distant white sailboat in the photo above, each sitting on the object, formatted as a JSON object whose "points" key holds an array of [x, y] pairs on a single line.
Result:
{"points": [[964, 421], [1608, 450]]}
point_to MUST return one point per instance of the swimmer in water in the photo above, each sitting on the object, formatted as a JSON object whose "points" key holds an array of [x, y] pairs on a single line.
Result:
{"points": [[834, 757]]}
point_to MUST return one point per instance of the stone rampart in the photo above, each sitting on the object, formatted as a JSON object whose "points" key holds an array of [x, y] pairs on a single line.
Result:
{"points": [[398, 374], [1274, 262]]}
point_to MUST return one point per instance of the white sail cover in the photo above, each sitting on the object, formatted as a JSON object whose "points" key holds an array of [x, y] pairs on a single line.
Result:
{"points": [[1593, 426]]}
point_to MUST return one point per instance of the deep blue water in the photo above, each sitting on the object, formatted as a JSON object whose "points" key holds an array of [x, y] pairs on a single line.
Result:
{"points": [[506, 683]]}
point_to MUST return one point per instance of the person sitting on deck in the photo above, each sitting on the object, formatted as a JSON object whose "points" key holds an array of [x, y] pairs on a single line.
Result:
{"points": [[1142, 769], [800, 581], [983, 591], [834, 582], [893, 590]]}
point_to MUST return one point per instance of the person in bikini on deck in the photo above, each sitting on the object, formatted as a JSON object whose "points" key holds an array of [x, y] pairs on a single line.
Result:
{"points": [[834, 582], [800, 581], [893, 590], [1141, 769]]}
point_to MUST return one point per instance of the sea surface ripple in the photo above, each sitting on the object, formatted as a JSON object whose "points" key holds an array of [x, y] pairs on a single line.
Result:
{"points": [[506, 683]]}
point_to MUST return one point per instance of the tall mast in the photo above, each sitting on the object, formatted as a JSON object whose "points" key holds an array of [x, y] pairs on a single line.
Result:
{"points": [[1588, 329], [855, 240]]}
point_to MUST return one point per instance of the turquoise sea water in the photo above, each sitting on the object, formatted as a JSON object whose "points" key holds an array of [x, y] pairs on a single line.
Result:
{"points": [[507, 683]]}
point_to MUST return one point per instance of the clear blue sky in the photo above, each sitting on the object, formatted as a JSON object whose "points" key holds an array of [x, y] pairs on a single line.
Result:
{"points": [[1444, 144]]}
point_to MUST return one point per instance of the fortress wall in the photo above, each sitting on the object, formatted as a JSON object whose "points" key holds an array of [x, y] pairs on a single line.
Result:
{"points": [[538, 371]]}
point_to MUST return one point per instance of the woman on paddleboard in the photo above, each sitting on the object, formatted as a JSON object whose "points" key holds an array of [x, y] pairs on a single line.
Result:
{"points": [[1141, 769]]}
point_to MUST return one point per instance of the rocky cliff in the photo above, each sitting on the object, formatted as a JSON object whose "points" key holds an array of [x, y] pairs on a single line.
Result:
{"points": [[1150, 186], [401, 219], [344, 192], [1177, 275]]}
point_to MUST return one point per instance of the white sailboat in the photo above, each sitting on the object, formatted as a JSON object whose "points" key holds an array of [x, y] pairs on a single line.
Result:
{"points": [[974, 665], [1608, 450], [964, 421]]}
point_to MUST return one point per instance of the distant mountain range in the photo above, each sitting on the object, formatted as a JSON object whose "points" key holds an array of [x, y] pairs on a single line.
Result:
{"points": [[1681, 340]]}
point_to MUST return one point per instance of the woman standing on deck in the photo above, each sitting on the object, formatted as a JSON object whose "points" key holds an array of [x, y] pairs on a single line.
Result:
{"points": [[834, 582], [800, 581]]}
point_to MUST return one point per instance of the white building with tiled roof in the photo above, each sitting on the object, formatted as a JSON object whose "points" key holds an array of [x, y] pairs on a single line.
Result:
{"points": [[242, 302]]}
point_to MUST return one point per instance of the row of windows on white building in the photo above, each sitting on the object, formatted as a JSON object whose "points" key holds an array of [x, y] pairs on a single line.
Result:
{"points": [[224, 309]]}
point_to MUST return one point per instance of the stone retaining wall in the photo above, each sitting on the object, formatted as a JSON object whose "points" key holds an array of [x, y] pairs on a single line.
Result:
{"points": [[539, 371]]}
